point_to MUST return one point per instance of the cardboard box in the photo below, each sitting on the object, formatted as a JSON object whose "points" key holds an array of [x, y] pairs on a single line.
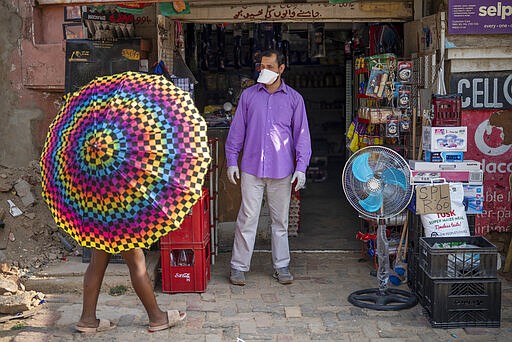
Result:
{"points": [[470, 177], [466, 165], [439, 157], [443, 139]]}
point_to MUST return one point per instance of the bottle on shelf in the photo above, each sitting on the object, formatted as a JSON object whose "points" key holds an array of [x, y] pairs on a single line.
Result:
{"points": [[173, 259], [185, 257]]}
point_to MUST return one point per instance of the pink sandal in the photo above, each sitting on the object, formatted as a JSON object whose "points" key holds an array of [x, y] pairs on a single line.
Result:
{"points": [[104, 325], [173, 318]]}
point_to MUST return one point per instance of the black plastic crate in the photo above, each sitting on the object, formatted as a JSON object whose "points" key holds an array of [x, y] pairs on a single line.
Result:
{"points": [[458, 262], [462, 303], [415, 276], [114, 258]]}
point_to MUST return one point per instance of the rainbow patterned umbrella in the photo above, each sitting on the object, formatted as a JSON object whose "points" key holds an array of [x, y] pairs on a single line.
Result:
{"points": [[124, 161]]}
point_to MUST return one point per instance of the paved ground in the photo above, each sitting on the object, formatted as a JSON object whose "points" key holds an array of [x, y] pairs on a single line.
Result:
{"points": [[313, 308]]}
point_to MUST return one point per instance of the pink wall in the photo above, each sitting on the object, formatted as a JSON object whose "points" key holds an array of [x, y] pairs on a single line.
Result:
{"points": [[32, 78]]}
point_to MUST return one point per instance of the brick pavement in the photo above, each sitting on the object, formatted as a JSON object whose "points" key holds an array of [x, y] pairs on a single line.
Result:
{"points": [[313, 308]]}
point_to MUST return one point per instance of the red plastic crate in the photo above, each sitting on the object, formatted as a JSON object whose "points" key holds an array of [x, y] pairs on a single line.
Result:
{"points": [[196, 225], [186, 279], [447, 110]]}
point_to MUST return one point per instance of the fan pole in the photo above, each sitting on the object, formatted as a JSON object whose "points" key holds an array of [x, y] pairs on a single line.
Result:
{"points": [[383, 253]]}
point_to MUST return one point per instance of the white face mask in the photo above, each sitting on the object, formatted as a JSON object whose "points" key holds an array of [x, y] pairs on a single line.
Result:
{"points": [[267, 76]]}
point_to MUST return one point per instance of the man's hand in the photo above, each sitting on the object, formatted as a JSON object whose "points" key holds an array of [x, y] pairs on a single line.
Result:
{"points": [[232, 173], [301, 180]]}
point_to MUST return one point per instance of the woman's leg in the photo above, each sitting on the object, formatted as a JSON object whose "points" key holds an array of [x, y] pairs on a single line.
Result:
{"points": [[92, 284], [142, 285]]}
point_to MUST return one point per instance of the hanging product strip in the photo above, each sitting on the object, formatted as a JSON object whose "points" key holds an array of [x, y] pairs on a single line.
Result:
{"points": [[387, 92]]}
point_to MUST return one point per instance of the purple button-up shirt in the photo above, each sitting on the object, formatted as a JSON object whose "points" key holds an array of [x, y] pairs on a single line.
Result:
{"points": [[272, 130]]}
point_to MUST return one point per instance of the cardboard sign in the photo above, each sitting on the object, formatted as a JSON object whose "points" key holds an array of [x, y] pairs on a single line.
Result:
{"points": [[433, 199]]}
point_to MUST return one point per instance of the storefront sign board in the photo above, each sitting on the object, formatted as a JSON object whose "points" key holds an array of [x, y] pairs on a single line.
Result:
{"points": [[479, 16], [307, 12], [491, 144], [483, 90]]}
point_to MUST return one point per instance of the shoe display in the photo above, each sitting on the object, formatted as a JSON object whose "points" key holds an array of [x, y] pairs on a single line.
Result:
{"points": [[237, 277], [283, 275]]}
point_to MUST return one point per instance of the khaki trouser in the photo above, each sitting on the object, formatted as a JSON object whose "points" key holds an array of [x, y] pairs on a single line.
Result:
{"points": [[278, 196]]}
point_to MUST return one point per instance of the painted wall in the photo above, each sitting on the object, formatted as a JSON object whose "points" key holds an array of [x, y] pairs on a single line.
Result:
{"points": [[482, 75], [491, 144], [32, 73], [487, 112], [31, 79]]}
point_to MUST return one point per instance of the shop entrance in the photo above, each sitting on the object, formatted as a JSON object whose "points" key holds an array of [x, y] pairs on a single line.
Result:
{"points": [[225, 58]]}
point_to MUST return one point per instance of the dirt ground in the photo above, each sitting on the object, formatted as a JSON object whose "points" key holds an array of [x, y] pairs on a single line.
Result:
{"points": [[33, 239]]}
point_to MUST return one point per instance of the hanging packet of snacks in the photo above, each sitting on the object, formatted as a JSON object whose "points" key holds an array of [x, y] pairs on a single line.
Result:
{"points": [[355, 133], [351, 129]]}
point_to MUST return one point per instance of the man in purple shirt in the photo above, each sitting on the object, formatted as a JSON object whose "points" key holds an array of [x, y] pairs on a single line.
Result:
{"points": [[270, 126]]}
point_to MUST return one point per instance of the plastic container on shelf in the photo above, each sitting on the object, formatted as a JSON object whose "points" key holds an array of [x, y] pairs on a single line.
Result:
{"points": [[458, 257]]}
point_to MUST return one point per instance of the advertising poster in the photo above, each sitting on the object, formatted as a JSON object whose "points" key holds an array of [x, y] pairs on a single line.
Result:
{"points": [[491, 144], [483, 90], [479, 16]]}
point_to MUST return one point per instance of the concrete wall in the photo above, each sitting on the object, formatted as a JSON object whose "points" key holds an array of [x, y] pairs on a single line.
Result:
{"points": [[32, 73], [31, 79]]}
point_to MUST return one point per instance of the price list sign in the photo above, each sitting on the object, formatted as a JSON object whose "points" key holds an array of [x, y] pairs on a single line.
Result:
{"points": [[480, 16]]}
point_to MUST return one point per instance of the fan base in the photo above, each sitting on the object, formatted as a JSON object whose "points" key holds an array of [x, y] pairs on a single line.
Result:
{"points": [[388, 300]]}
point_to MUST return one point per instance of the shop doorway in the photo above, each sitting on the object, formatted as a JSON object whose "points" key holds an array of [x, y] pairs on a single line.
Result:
{"points": [[316, 68]]}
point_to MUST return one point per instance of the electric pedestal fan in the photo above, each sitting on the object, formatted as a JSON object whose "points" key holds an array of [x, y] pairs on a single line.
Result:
{"points": [[377, 183]]}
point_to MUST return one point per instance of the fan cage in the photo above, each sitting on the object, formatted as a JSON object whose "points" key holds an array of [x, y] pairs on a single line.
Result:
{"points": [[395, 199]]}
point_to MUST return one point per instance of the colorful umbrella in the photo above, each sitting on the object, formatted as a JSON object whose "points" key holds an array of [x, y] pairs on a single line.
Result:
{"points": [[124, 161]]}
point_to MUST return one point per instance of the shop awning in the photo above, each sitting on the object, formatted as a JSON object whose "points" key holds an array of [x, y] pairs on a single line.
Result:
{"points": [[225, 11]]}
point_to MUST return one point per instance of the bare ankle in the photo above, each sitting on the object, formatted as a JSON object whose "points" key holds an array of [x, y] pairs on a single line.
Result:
{"points": [[88, 322]]}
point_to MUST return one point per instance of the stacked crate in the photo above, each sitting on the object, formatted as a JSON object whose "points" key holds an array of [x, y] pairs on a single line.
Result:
{"points": [[445, 140], [458, 286], [186, 253], [447, 110]]}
